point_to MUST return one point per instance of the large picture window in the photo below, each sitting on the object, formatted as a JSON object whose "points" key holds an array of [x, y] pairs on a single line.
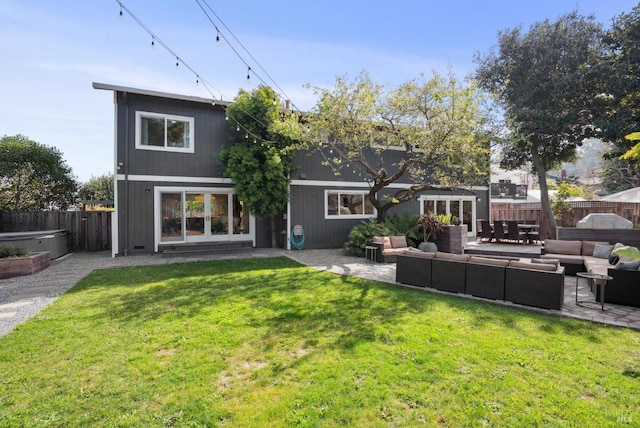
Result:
{"points": [[156, 131], [348, 204]]}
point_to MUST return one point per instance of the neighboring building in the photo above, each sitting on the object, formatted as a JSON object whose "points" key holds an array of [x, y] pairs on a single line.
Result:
{"points": [[170, 191]]}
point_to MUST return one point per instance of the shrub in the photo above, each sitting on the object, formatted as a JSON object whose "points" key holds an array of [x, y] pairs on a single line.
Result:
{"points": [[11, 251], [405, 224], [361, 234]]}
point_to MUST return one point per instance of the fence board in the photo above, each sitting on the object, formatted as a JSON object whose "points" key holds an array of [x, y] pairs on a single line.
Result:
{"points": [[579, 210], [88, 230]]}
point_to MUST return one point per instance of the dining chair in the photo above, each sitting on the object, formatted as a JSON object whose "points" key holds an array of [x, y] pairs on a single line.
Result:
{"points": [[514, 233], [498, 230], [485, 231], [541, 235]]}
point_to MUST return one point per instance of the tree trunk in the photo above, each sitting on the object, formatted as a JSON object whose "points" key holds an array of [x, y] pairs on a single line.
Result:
{"points": [[274, 235], [544, 190]]}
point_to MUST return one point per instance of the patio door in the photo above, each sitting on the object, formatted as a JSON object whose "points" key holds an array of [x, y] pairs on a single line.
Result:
{"points": [[463, 207], [201, 216]]}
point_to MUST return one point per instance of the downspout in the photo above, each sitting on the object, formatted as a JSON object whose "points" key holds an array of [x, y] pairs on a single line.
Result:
{"points": [[126, 174]]}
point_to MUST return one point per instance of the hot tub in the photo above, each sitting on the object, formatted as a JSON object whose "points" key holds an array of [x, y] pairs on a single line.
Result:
{"points": [[53, 241]]}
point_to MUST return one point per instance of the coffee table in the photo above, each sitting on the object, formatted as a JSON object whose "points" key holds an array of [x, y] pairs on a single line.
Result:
{"points": [[591, 277]]}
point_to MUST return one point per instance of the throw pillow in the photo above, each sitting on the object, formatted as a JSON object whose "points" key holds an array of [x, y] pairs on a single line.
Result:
{"points": [[613, 259], [634, 265], [555, 262], [602, 251]]}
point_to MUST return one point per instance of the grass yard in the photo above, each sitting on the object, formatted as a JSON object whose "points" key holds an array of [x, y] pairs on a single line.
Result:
{"points": [[268, 342]]}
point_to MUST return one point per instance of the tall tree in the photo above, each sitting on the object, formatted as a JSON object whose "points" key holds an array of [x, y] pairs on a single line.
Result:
{"points": [[433, 123], [33, 176], [260, 158], [621, 68], [545, 83]]}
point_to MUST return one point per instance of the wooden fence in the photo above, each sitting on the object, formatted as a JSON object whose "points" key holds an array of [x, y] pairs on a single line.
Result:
{"points": [[88, 230], [580, 209]]}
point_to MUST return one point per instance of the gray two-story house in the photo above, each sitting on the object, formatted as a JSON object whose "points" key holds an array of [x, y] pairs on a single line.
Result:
{"points": [[170, 191]]}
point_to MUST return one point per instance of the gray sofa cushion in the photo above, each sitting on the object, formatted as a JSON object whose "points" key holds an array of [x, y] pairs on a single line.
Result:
{"points": [[563, 247], [633, 265], [587, 247], [602, 251]]}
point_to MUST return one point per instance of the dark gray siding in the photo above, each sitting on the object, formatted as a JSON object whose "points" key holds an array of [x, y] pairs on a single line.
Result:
{"points": [[210, 135], [307, 209]]}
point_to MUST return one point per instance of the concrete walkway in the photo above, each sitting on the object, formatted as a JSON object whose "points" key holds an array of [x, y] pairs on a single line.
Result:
{"points": [[23, 297]]}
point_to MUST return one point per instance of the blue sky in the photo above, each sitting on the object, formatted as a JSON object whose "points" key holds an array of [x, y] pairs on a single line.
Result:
{"points": [[51, 52]]}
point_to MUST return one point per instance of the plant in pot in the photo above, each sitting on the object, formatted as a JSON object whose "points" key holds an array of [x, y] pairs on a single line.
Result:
{"points": [[431, 226]]}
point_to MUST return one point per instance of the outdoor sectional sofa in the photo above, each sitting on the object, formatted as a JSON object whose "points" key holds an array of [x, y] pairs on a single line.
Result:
{"points": [[578, 256], [388, 247], [523, 282]]}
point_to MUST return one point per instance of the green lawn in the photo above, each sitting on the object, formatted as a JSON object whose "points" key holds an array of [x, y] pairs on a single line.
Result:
{"points": [[268, 342]]}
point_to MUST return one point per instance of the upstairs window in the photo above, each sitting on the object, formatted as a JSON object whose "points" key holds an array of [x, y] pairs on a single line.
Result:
{"points": [[348, 204], [156, 131]]}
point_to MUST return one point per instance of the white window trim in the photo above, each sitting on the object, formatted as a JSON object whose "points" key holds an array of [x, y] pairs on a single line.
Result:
{"points": [[157, 213], [139, 145], [449, 198], [339, 216]]}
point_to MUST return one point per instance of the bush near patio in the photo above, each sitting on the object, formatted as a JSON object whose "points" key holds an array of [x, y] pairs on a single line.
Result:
{"points": [[395, 224], [268, 342]]}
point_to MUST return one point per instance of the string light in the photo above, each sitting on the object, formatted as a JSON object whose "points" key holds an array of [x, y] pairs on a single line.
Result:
{"points": [[218, 39], [206, 84]]}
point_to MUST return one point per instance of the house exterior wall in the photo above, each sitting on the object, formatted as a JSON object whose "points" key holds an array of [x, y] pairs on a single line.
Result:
{"points": [[140, 173]]}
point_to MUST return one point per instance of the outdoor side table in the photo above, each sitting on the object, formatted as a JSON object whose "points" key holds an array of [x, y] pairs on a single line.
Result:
{"points": [[590, 277], [370, 253]]}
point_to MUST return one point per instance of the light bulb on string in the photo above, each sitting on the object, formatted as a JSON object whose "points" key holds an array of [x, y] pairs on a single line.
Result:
{"points": [[246, 135], [238, 128], [198, 81], [218, 39], [177, 62], [153, 42], [120, 15], [248, 75]]}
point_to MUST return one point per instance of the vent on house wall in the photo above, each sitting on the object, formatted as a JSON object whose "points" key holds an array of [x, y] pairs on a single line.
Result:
{"points": [[138, 247]]}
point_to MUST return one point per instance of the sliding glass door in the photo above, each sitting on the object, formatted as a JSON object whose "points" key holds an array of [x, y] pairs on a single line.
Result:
{"points": [[201, 216]]}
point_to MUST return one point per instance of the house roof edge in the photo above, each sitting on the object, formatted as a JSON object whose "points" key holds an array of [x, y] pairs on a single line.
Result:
{"points": [[117, 88]]}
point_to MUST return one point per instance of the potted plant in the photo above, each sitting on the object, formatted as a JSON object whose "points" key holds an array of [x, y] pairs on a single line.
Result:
{"points": [[431, 226], [453, 236]]}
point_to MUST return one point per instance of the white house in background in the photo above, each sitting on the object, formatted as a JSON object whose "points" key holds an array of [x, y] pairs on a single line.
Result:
{"points": [[629, 195]]}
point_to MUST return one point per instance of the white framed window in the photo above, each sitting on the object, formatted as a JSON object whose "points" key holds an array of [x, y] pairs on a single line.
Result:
{"points": [[156, 131], [463, 207], [347, 204]]}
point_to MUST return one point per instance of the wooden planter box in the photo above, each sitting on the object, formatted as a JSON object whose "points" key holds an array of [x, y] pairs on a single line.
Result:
{"points": [[19, 266], [452, 239]]}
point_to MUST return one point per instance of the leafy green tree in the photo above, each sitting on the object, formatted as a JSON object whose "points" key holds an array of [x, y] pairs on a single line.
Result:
{"points": [[33, 176], [97, 189], [621, 70], [260, 158], [434, 124], [545, 83]]}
